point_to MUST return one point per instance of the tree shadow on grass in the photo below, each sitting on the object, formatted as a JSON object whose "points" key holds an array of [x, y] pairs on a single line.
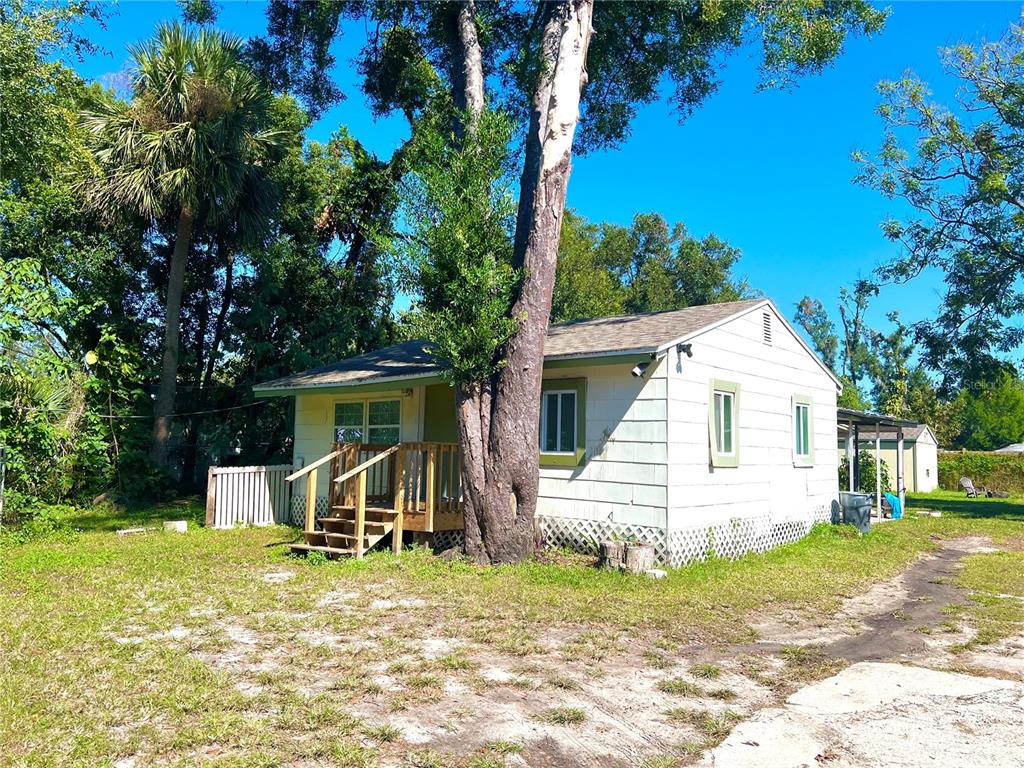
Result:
{"points": [[1002, 509], [109, 518]]}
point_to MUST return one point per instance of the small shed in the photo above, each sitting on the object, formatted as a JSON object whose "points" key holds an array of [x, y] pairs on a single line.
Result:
{"points": [[920, 453]]}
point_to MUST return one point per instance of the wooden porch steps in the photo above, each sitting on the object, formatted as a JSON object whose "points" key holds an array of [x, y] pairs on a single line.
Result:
{"points": [[329, 551], [337, 534], [408, 486]]}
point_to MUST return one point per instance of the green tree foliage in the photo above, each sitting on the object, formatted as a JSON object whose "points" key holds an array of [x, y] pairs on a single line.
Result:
{"points": [[193, 142], [82, 289], [607, 269], [866, 473], [889, 368], [963, 173], [992, 415], [993, 471], [199, 11], [848, 350], [639, 48], [50, 250], [460, 245], [585, 285], [812, 316], [40, 92]]}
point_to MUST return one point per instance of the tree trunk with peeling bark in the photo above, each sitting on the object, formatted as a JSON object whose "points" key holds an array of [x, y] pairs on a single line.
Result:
{"points": [[498, 418]]}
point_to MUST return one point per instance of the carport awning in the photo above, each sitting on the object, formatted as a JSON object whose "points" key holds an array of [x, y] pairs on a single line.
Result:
{"points": [[849, 416], [850, 422]]}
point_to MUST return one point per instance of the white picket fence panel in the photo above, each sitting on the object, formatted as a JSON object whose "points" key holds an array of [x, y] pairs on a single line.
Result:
{"points": [[248, 496]]}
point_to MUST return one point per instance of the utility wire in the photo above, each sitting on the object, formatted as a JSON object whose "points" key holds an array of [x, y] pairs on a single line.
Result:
{"points": [[112, 417]]}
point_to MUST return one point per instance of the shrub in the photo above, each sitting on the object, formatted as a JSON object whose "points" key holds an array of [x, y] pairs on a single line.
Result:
{"points": [[867, 473], [25, 519], [999, 471]]}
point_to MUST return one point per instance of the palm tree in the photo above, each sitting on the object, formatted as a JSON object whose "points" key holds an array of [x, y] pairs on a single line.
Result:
{"points": [[194, 138]]}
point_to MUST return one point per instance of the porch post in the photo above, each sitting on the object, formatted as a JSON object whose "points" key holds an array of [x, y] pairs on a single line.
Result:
{"points": [[849, 453], [901, 485], [878, 469], [855, 475], [396, 530]]}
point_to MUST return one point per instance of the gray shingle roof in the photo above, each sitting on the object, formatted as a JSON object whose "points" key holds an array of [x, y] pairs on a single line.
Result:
{"points": [[579, 338], [647, 332]]}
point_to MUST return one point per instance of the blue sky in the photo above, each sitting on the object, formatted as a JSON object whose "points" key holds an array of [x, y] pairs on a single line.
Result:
{"points": [[770, 172]]}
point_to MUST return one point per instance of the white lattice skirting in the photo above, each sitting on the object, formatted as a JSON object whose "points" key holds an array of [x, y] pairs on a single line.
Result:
{"points": [[676, 546], [679, 546], [298, 510]]}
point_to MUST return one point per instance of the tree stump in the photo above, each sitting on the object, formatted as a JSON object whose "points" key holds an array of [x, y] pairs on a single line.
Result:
{"points": [[639, 558], [612, 554]]}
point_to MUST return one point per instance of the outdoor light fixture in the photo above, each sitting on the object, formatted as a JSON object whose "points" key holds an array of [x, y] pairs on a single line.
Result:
{"points": [[639, 369], [685, 348]]}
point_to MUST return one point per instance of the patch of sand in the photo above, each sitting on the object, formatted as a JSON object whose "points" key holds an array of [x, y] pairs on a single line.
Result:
{"points": [[896, 715]]}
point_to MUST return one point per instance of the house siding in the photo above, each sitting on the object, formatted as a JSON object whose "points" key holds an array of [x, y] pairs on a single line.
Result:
{"points": [[623, 478], [769, 375]]}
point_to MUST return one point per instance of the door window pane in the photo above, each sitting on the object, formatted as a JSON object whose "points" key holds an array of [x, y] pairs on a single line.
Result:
{"points": [[348, 422], [384, 413]]}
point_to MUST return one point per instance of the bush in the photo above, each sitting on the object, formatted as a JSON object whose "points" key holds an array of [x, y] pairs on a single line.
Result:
{"points": [[997, 471], [24, 519], [867, 473]]}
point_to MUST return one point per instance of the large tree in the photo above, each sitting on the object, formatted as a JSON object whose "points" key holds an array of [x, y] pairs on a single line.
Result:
{"points": [[559, 66], [189, 146], [961, 170], [850, 349], [648, 266]]}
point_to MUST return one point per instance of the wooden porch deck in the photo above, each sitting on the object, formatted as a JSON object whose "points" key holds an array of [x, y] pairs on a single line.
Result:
{"points": [[376, 490]]}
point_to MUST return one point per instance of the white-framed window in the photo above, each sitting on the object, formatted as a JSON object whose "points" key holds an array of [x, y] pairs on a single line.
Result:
{"points": [[725, 417], [558, 421], [368, 421], [803, 430], [724, 423]]}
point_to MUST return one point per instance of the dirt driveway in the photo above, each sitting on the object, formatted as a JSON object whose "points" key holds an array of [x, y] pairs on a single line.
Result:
{"points": [[892, 707]]}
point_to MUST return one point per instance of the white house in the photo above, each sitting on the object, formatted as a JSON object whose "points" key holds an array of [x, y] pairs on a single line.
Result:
{"points": [[700, 430]]}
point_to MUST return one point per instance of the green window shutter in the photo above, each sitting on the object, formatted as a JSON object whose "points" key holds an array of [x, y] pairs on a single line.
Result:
{"points": [[724, 423], [563, 424]]}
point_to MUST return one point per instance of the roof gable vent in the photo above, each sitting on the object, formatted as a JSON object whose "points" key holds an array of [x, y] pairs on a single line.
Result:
{"points": [[766, 330]]}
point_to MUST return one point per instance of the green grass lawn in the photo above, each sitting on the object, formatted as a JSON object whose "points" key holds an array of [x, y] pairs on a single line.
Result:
{"points": [[957, 504], [106, 641]]}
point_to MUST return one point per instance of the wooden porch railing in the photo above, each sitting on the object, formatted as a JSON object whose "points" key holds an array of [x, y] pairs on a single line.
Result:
{"points": [[310, 474], [419, 483], [429, 481]]}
